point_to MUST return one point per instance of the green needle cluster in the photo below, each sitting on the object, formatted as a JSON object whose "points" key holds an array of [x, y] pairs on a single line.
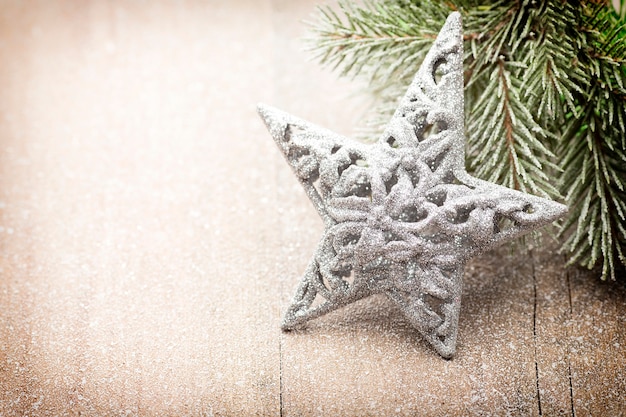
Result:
{"points": [[545, 97]]}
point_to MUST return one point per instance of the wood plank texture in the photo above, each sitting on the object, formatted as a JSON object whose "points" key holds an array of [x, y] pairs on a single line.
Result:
{"points": [[136, 275], [151, 236], [553, 312]]}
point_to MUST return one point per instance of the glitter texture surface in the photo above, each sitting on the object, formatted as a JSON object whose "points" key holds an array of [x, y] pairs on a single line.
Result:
{"points": [[402, 216]]}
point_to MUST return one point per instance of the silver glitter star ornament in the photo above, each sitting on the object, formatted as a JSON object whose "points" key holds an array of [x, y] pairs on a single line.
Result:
{"points": [[402, 216]]}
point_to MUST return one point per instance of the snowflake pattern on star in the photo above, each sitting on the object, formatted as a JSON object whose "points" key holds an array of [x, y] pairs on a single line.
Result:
{"points": [[402, 216]]}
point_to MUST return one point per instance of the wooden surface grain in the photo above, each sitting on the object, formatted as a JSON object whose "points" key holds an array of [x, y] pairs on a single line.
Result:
{"points": [[151, 236]]}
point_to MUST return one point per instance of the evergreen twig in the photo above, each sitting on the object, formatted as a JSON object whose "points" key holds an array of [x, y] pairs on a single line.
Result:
{"points": [[545, 97]]}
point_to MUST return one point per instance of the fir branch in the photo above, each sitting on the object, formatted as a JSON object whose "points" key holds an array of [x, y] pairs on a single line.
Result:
{"points": [[597, 194], [594, 148], [544, 95], [497, 113], [552, 73], [376, 36]]}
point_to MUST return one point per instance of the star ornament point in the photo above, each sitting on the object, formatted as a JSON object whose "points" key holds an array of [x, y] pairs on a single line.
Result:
{"points": [[402, 216]]}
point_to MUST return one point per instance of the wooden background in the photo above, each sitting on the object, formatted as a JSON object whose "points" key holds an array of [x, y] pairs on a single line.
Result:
{"points": [[151, 235]]}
